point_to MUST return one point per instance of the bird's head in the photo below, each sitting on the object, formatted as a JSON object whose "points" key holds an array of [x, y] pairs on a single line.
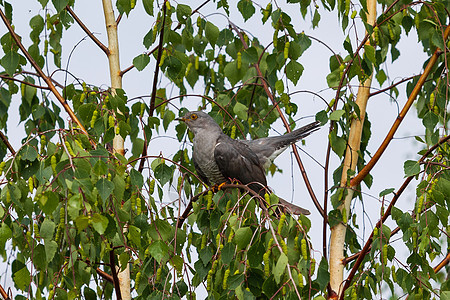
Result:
{"points": [[198, 121]]}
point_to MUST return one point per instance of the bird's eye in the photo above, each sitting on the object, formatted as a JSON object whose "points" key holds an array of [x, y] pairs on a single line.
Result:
{"points": [[194, 116]]}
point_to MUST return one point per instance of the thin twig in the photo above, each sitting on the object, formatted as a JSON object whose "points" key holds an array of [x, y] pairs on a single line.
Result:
{"points": [[24, 82], [88, 32]]}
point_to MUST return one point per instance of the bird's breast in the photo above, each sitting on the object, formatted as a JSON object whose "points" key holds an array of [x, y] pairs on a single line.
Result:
{"points": [[204, 156]]}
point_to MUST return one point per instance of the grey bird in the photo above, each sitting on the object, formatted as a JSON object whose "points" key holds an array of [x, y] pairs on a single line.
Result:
{"points": [[218, 158]]}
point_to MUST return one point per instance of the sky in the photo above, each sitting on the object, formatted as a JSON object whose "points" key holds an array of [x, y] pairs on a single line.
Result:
{"points": [[90, 64]]}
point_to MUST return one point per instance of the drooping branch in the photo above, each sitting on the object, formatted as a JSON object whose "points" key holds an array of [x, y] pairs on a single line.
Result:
{"points": [[41, 73], [88, 32]]}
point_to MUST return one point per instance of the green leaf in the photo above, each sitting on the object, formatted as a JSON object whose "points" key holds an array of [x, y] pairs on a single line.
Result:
{"points": [[242, 237], [159, 251], [430, 120], [337, 114], [39, 258], [134, 234], [124, 6], [99, 222], [369, 52], [294, 71], [141, 61], [323, 276], [5, 234], [338, 144], [386, 192], [411, 168], [82, 222], [240, 110], [246, 8], [105, 188], [211, 33], [316, 18], [280, 267], [48, 202], [322, 117], [163, 173], [29, 153], [47, 229], [227, 253], [10, 62], [136, 178], [148, 6], [205, 255], [60, 5], [183, 13], [50, 249], [22, 278]]}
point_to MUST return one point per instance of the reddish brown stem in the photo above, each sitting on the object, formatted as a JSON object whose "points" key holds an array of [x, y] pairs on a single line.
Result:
{"points": [[6, 142], [4, 294], [112, 263]]}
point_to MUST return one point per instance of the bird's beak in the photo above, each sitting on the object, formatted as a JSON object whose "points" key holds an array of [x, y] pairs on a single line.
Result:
{"points": [[181, 119]]}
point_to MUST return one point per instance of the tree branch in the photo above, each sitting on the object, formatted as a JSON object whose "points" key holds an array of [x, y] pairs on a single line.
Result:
{"points": [[4, 294], [6, 142], [47, 80], [88, 32], [112, 264]]}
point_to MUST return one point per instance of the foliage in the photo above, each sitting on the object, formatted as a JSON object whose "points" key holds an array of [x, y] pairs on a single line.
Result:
{"points": [[69, 205]]}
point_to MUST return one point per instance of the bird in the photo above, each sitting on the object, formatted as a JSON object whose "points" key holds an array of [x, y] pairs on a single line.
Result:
{"points": [[218, 158]]}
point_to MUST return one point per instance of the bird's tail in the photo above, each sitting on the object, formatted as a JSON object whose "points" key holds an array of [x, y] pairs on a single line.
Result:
{"points": [[301, 132]]}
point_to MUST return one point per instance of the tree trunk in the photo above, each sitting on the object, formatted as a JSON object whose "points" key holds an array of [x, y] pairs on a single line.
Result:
{"points": [[351, 158], [116, 83]]}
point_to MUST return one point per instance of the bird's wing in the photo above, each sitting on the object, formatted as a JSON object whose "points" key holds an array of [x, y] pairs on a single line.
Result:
{"points": [[237, 161], [199, 171]]}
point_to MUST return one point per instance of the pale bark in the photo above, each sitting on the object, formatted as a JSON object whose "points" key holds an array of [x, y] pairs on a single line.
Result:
{"points": [[351, 158], [118, 142]]}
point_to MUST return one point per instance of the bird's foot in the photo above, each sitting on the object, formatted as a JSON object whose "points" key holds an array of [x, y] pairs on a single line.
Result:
{"points": [[217, 187]]}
